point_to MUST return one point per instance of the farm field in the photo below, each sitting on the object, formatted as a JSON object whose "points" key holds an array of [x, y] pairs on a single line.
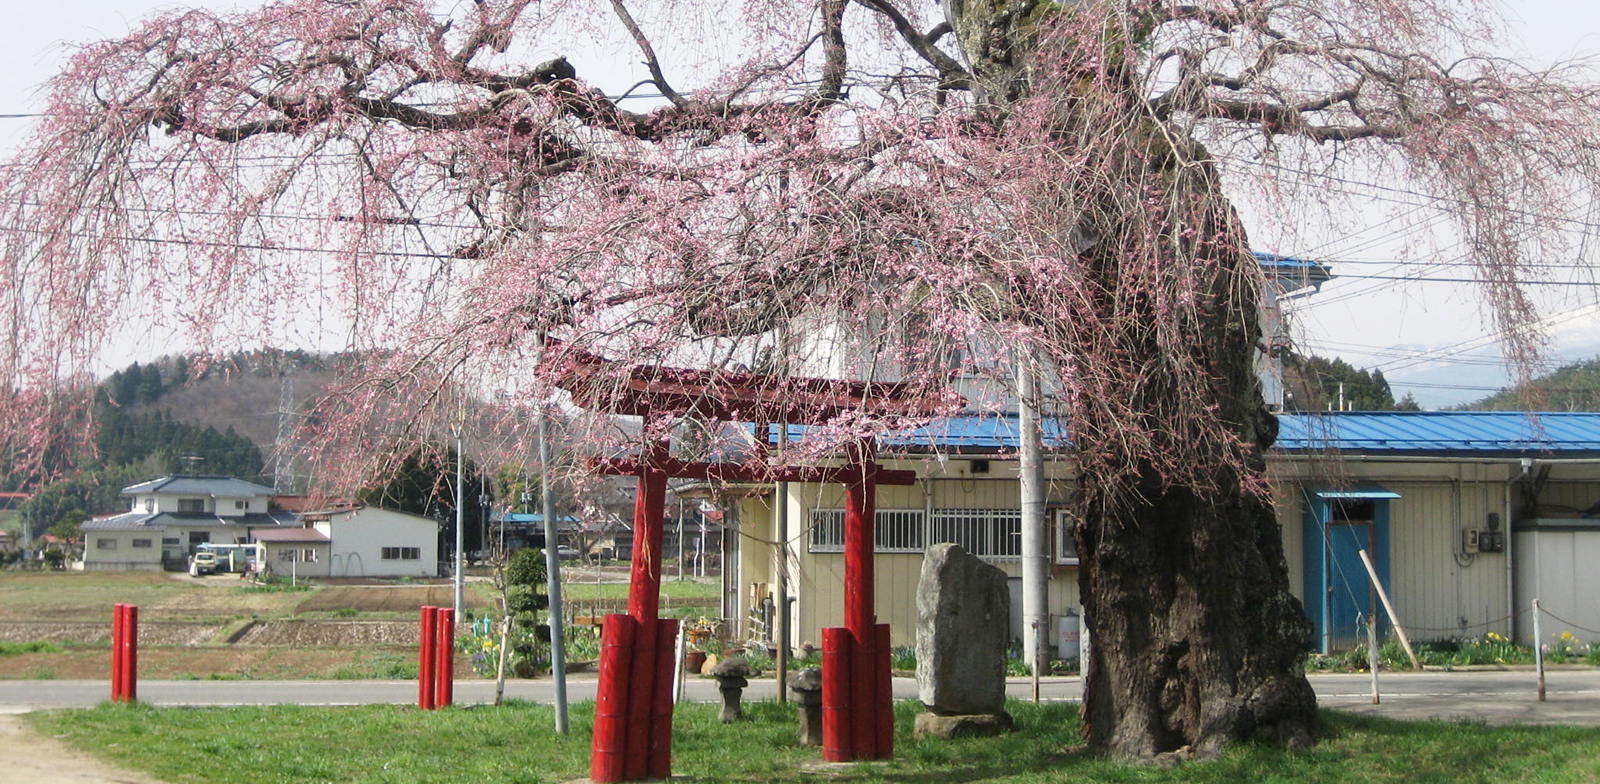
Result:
{"points": [[56, 625]]}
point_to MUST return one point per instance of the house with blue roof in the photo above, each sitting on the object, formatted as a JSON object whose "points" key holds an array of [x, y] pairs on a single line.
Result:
{"points": [[1466, 516]]}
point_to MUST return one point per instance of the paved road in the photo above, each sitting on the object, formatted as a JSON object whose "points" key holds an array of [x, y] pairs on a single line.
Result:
{"points": [[1495, 696]]}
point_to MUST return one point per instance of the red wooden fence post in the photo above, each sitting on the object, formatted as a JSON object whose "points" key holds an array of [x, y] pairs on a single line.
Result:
{"points": [[836, 661], [885, 695], [445, 649], [425, 659], [611, 700], [660, 766], [130, 660], [117, 619]]}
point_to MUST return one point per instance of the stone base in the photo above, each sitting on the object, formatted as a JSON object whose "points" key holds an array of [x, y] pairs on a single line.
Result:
{"points": [[980, 725]]}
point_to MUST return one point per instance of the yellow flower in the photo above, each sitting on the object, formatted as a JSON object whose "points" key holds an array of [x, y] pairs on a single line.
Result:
{"points": [[1568, 636], [1496, 637]]}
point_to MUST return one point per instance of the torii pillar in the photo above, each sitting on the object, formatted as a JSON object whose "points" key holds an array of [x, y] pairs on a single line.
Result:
{"points": [[633, 706], [857, 697]]}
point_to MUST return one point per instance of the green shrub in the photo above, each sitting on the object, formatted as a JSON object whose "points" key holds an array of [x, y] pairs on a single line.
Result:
{"points": [[37, 646]]}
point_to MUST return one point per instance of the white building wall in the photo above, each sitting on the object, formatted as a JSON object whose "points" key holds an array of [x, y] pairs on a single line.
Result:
{"points": [[359, 537], [114, 551], [286, 559]]}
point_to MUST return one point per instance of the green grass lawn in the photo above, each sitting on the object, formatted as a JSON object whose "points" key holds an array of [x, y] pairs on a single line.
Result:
{"points": [[269, 745], [670, 588]]}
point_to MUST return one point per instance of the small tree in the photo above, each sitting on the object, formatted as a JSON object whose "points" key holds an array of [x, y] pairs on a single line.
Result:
{"points": [[525, 595]]}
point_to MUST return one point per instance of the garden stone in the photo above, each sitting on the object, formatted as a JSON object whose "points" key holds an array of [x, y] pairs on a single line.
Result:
{"points": [[963, 627], [806, 686], [962, 726], [732, 676]]}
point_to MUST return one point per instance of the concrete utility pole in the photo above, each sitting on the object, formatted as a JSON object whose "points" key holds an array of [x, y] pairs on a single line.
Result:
{"points": [[460, 575], [1035, 542], [552, 563]]}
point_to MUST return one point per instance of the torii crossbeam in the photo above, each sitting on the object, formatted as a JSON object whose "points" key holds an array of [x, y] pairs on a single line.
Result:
{"points": [[633, 706]]}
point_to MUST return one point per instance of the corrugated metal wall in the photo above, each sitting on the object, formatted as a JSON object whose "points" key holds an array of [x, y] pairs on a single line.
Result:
{"points": [[1439, 591]]}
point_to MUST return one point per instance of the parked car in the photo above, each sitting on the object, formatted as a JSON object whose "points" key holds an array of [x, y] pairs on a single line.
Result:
{"points": [[203, 562]]}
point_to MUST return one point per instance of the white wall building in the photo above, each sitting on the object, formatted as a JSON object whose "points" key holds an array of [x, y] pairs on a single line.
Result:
{"points": [[367, 541]]}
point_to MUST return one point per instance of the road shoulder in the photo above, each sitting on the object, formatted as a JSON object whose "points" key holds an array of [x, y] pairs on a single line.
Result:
{"points": [[46, 760]]}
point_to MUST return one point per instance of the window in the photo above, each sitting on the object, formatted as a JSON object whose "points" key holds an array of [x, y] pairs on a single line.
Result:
{"points": [[285, 556], [105, 544], [987, 533], [197, 538], [402, 553], [893, 531], [191, 504], [149, 505], [308, 555], [1066, 545], [171, 540], [142, 542], [243, 505]]}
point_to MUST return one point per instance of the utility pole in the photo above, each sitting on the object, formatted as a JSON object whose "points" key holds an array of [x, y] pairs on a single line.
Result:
{"points": [[460, 575], [552, 562], [1035, 544]]}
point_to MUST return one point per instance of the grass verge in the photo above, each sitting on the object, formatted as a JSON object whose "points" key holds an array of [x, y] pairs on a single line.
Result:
{"points": [[516, 744]]}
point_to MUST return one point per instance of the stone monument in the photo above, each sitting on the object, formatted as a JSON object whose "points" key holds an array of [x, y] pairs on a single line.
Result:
{"points": [[963, 632]]}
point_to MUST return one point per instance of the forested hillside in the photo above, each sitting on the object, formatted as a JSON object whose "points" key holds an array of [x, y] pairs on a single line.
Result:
{"points": [[1314, 383], [1575, 387], [170, 417]]}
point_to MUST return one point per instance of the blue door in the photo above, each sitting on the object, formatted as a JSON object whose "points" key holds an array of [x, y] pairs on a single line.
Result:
{"points": [[1338, 525], [1350, 594]]}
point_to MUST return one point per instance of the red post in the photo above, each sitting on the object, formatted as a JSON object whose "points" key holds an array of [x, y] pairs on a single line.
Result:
{"points": [[864, 695], [425, 659], [444, 647], [885, 695], [644, 601], [861, 498], [130, 660], [660, 766], [118, 620], [836, 660], [611, 700]]}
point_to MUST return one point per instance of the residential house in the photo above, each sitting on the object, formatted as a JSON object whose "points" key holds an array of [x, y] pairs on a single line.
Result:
{"points": [[169, 518]]}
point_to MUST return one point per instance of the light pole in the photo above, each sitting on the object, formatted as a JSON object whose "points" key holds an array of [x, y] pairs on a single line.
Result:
{"points": [[460, 576], [552, 562]]}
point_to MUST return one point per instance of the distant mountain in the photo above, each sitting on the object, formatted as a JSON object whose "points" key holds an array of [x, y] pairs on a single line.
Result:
{"points": [[1575, 387], [176, 415]]}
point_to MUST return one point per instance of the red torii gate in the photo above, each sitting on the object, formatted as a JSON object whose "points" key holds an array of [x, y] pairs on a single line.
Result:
{"points": [[633, 706]]}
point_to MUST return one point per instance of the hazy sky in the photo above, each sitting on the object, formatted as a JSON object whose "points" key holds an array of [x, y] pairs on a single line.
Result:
{"points": [[1428, 337]]}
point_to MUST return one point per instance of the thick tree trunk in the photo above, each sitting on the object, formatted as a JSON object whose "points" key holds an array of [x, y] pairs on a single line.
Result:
{"points": [[1196, 639]]}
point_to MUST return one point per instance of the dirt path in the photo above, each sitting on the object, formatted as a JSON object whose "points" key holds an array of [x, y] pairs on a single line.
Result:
{"points": [[38, 759]]}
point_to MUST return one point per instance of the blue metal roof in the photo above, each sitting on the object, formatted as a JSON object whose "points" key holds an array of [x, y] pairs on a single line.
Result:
{"points": [[1480, 433], [1487, 433], [1306, 271], [528, 517]]}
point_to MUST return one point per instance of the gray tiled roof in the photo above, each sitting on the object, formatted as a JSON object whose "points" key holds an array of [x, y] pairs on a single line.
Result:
{"points": [[214, 486], [137, 520], [131, 521]]}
